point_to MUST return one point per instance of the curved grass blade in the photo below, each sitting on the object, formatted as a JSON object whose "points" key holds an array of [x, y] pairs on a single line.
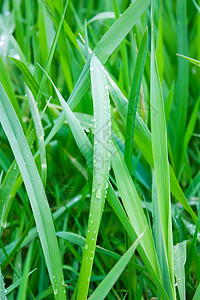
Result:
{"points": [[40, 134], [106, 285], [17, 283], [133, 101], [101, 167], [79, 135], [35, 192]]}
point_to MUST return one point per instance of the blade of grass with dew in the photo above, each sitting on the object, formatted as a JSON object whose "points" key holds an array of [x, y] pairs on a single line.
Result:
{"points": [[35, 192], [101, 167], [192, 60], [106, 285], [179, 267], [2, 287], [133, 101], [143, 140], [161, 164], [40, 134]]}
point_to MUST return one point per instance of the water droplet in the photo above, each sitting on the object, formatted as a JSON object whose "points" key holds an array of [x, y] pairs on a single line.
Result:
{"points": [[98, 193], [86, 247], [16, 56], [91, 257], [109, 123], [106, 185], [108, 154], [95, 142], [106, 87], [91, 221], [94, 161], [91, 69], [54, 276], [55, 292], [102, 67], [94, 231], [98, 182]]}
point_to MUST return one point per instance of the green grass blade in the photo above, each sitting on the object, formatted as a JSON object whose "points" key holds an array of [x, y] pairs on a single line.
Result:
{"points": [[22, 293], [101, 167], [106, 285], [17, 283], [161, 164], [192, 60], [182, 83], [2, 287], [197, 293], [179, 267], [78, 133], [40, 134], [133, 101], [35, 192]]}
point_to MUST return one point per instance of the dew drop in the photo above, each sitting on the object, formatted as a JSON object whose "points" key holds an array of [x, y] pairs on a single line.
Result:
{"points": [[102, 67], [108, 154], [86, 247], [91, 221], [91, 69], [63, 283], [98, 193], [55, 292], [98, 182], [94, 161], [109, 123], [94, 231]]}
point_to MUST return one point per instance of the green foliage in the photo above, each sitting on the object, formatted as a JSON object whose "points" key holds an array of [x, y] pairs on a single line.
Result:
{"points": [[99, 149]]}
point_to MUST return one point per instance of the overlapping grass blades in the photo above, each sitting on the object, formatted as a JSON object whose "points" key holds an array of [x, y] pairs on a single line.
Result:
{"points": [[35, 192], [161, 164], [105, 286]]}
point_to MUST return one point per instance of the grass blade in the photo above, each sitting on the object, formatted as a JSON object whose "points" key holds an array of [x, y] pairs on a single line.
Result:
{"points": [[35, 192], [161, 164], [179, 267], [133, 101], [40, 134], [101, 167]]}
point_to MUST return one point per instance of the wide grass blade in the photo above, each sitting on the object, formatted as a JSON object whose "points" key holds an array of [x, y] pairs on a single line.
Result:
{"points": [[35, 192], [101, 167], [161, 164], [179, 267], [106, 285]]}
